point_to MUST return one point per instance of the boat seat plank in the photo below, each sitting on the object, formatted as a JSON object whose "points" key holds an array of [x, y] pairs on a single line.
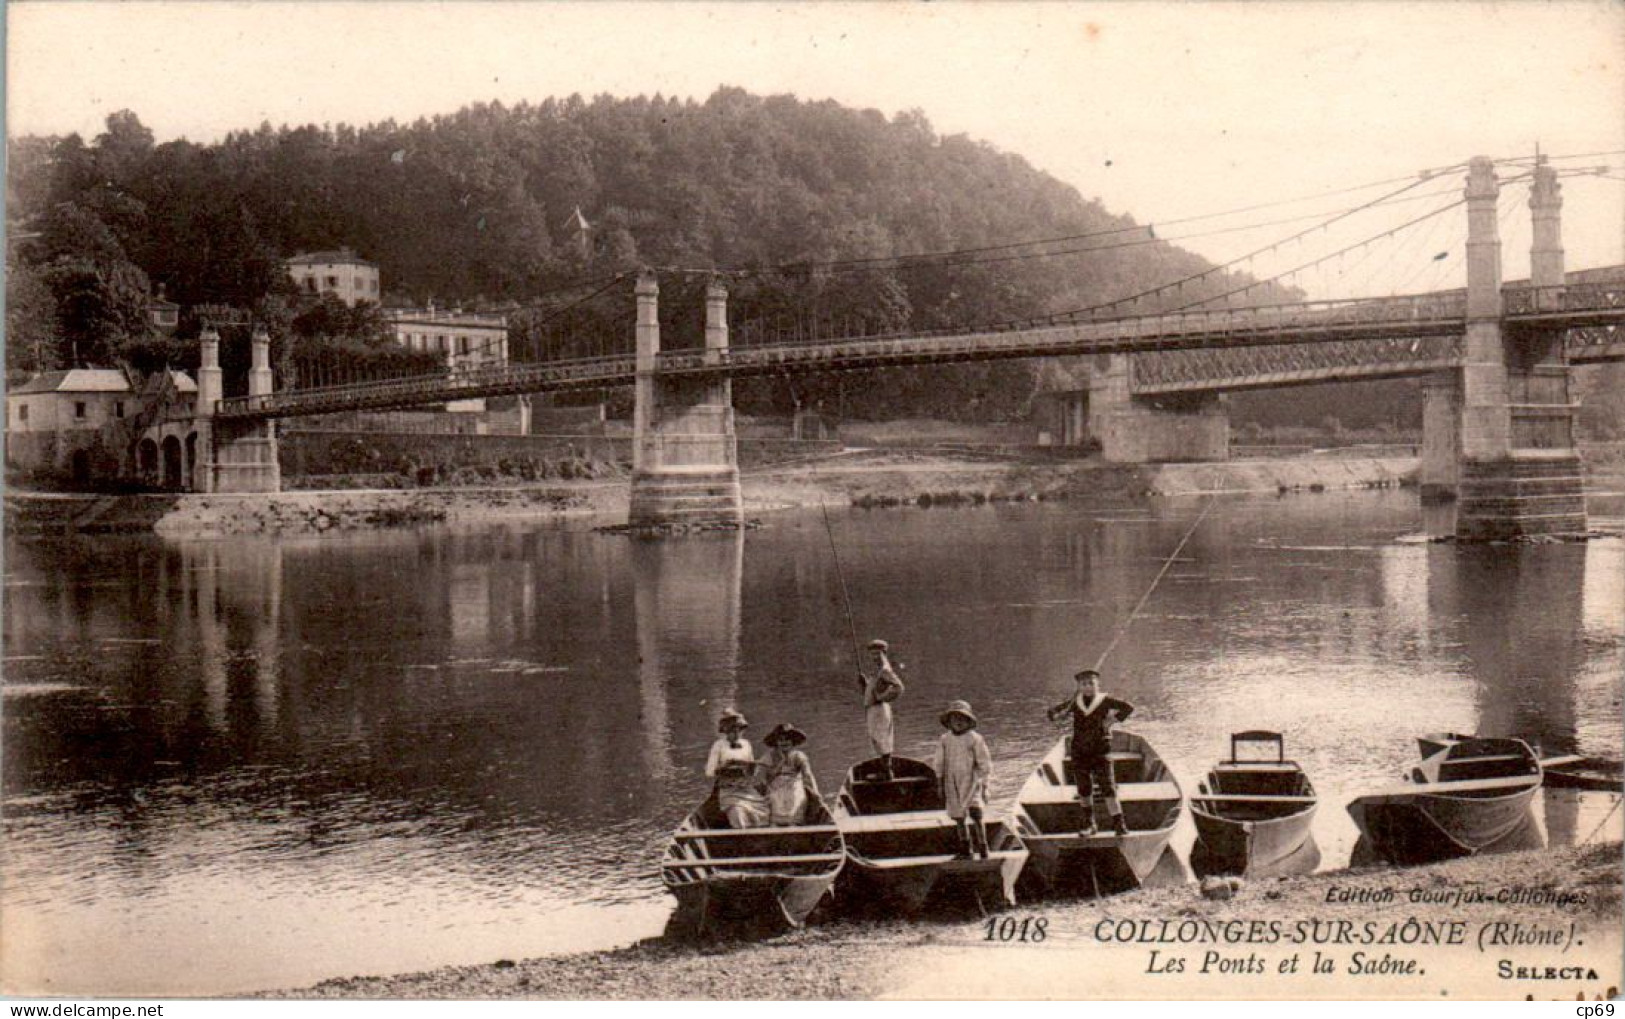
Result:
{"points": [[752, 861], [904, 780], [1239, 798], [1483, 757], [1231, 766], [893, 822], [1471, 785], [706, 833], [1127, 792]]}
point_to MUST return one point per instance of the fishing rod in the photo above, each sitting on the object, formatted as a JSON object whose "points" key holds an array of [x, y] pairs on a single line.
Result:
{"points": [[846, 597], [1122, 627]]}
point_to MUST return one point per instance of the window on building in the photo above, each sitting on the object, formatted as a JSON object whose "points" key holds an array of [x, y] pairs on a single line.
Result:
{"points": [[118, 408], [373, 284], [310, 284], [333, 281], [22, 412], [445, 343], [79, 409], [462, 344]]}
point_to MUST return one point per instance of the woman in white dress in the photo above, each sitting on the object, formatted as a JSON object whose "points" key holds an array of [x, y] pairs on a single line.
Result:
{"points": [[788, 775]]}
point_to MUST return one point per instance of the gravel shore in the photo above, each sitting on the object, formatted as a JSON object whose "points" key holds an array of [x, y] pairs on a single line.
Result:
{"points": [[934, 959]]}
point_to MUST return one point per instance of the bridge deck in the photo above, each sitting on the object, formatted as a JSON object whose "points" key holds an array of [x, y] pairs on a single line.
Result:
{"points": [[1215, 349]]}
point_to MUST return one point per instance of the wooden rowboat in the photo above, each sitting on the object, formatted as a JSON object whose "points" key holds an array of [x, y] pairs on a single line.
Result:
{"points": [[1468, 796], [749, 881], [1253, 817], [1048, 817], [903, 850]]}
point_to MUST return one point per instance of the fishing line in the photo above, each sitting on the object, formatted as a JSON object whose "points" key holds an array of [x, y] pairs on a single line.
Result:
{"points": [[1124, 625], [846, 597]]}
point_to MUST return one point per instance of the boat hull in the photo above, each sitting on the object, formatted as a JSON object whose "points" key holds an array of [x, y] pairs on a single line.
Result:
{"points": [[746, 905], [1049, 815], [1248, 848], [1408, 829], [906, 887], [749, 882], [903, 851], [1069, 865]]}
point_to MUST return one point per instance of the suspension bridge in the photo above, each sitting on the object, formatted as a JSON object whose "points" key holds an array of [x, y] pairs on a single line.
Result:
{"points": [[1498, 413]]}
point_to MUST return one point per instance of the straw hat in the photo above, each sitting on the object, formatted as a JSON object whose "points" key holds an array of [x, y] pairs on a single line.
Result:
{"points": [[1086, 673], [957, 708], [731, 719], [784, 731], [879, 645]]}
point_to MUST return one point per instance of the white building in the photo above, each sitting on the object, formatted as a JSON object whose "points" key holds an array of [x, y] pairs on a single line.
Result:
{"points": [[340, 273], [462, 339]]}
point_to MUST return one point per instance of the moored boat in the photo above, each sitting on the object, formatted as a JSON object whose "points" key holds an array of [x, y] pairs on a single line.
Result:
{"points": [[904, 851], [1253, 817], [750, 881], [1469, 795], [1049, 818]]}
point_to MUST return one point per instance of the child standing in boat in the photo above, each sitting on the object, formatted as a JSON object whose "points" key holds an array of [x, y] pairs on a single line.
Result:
{"points": [[963, 765], [879, 690], [789, 776], [733, 764], [1093, 715]]}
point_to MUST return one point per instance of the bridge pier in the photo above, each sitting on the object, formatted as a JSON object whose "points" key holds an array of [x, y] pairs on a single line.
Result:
{"points": [[1520, 473], [1142, 429], [1439, 467], [241, 456], [685, 466]]}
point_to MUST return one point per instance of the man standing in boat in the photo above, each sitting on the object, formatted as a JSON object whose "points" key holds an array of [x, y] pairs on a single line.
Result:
{"points": [[879, 690], [1093, 715]]}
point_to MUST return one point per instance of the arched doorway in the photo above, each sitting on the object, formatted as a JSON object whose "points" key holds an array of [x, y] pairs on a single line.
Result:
{"points": [[172, 462], [147, 462], [191, 462]]}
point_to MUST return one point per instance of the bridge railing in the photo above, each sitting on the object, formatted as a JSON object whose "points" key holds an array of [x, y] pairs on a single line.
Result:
{"points": [[1571, 297], [446, 386], [1260, 321]]}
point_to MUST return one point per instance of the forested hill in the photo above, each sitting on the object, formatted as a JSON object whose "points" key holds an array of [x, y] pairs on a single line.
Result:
{"points": [[478, 206]]}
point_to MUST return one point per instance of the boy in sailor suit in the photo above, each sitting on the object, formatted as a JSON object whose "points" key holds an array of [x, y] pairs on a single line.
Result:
{"points": [[1093, 715]]}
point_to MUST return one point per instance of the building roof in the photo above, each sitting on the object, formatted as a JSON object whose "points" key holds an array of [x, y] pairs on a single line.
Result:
{"points": [[341, 257], [92, 380], [441, 317]]}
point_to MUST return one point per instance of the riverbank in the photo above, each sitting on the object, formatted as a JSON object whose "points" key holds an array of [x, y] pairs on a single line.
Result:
{"points": [[860, 478], [1573, 893]]}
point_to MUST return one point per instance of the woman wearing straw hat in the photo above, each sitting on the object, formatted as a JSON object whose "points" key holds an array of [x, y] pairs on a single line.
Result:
{"points": [[879, 690], [788, 775], [963, 765], [733, 764]]}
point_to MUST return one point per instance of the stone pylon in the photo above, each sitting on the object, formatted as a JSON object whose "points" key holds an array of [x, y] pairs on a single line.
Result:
{"points": [[1520, 474], [684, 451]]}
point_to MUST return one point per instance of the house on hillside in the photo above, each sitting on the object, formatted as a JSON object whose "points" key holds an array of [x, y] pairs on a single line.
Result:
{"points": [[340, 273]]}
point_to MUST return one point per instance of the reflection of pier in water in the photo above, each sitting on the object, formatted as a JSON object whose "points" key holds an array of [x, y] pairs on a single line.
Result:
{"points": [[686, 596], [1522, 634]]}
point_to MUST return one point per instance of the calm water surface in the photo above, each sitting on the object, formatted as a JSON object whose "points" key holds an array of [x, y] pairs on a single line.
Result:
{"points": [[261, 763]]}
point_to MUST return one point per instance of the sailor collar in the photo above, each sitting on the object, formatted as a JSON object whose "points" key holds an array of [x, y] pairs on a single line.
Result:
{"points": [[1089, 708]]}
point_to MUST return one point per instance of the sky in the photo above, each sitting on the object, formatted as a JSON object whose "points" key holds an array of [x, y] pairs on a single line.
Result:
{"points": [[1163, 111]]}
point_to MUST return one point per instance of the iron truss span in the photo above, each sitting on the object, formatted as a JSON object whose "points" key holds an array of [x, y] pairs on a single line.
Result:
{"points": [[1287, 364], [1399, 335]]}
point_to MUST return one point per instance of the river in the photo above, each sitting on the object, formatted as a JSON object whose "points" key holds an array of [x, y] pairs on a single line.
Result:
{"points": [[260, 763]]}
